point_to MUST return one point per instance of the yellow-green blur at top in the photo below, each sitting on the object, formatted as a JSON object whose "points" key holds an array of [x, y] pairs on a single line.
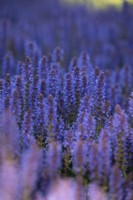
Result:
{"points": [[100, 3]]}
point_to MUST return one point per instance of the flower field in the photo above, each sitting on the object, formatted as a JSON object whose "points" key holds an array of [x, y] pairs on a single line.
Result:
{"points": [[66, 102]]}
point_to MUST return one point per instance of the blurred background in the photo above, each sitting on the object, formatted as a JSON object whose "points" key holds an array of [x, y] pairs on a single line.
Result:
{"points": [[100, 3], [101, 28]]}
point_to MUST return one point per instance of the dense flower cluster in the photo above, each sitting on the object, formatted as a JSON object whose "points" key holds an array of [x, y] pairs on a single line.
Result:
{"points": [[66, 130]]}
